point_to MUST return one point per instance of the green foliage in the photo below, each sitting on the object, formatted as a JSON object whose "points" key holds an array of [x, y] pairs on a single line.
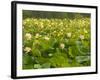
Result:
{"points": [[49, 15], [27, 61], [54, 43]]}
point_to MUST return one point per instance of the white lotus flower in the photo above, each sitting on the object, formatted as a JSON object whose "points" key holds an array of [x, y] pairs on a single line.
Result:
{"points": [[27, 49], [81, 36], [62, 45], [37, 35], [54, 31], [69, 34], [28, 36], [50, 54], [46, 38]]}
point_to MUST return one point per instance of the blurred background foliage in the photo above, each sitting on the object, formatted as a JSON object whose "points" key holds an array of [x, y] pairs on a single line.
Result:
{"points": [[46, 14]]}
